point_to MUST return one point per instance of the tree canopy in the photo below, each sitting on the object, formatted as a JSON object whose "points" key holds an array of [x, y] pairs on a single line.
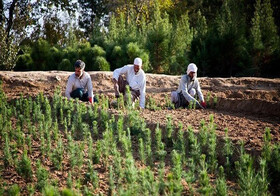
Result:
{"points": [[223, 37]]}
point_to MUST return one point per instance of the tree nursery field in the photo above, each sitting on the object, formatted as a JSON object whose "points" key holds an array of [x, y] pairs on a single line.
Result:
{"points": [[53, 146]]}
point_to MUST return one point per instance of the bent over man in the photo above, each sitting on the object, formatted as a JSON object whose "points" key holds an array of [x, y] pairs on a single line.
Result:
{"points": [[188, 87], [79, 84], [135, 78]]}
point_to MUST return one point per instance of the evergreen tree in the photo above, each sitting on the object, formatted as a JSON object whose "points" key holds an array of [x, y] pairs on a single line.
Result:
{"points": [[256, 37], [158, 39]]}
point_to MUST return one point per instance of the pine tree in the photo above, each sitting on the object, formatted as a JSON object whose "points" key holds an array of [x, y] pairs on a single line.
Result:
{"points": [[268, 28], [158, 39], [256, 35]]}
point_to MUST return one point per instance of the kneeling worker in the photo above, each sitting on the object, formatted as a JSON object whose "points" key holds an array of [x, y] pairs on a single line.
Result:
{"points": [[135, 78], [79, 84], [188, 87]]}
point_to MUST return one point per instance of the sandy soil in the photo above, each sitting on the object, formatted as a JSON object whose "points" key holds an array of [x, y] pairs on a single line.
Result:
{"points": [[246, 106]]}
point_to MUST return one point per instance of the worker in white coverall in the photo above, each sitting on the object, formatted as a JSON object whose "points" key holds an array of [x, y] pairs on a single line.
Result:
{"points": [[188, 88], [135, 78]]}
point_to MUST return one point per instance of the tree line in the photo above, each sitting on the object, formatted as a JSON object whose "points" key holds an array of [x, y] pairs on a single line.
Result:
{"points": [[223, 37]]}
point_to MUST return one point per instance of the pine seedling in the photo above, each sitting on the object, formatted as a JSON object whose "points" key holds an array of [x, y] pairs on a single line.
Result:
{"points": [[69, 181], [169, 131], [194, 146], [8, 160], [95, 128], [160, 152], [29, 144], [128, 97], [142, 151], [42, 176], [177, 165], [180, 143], [149, 154], [168, 103], [208, 97], [246, 173], [204, 181], [228, 152], [61, 116], [191, 105], [104, 117], [262, 178], [24, 166], [55, 130], [48, 112], [90, 147], [149, 182], [203, 136], [130, 170], [26, 107], [14, 190], [69, 118], [80, 154], [30, 189], [49, 144], [120, 125], [215, 101], [161, 181], [65, 125], [117, 164], [189, 176], [34, 133], [212, 151], [221, 185], [91, 175], [57, 155], [111, 181], [42, 146], [267, 147], [50, 190], [97, 153]]}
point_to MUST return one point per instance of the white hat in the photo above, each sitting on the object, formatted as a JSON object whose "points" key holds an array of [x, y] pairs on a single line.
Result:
{"points": [[191, 68], [138, 61]]}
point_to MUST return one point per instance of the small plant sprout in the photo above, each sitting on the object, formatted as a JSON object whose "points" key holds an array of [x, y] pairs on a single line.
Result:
{"points": [[142, 153], [221, 185]]}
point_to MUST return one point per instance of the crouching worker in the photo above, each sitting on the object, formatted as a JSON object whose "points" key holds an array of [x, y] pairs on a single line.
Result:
{"points": [[135, 78], [79, 84], [188, 87]]}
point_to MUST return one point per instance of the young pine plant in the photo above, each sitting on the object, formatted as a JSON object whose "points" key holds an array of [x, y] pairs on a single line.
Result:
{"points": [[24, 166], [42, 176], [221, 185], [169, 132], [228, 153], [204, 180], [142, 153], [160, 152]]}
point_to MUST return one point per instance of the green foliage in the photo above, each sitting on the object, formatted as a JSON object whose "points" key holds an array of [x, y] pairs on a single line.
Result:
{"points": [[204, 181], [14, 190], [8, 50], [40, 54], [221, 186], [42, 176], [50, 191], [158, 39], [24, 166]]}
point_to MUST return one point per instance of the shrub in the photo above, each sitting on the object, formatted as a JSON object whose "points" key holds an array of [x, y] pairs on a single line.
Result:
{"points": [[102, 64]]}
